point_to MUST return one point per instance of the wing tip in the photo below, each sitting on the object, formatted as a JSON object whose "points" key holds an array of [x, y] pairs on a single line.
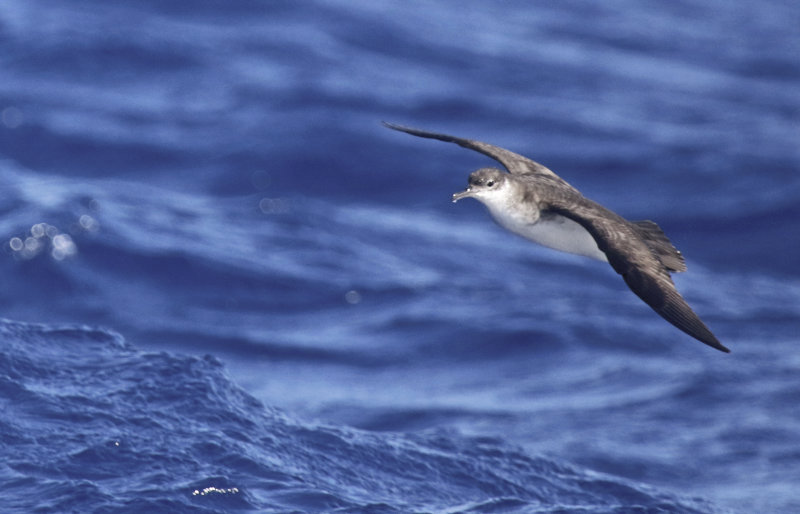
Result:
{"points": [[398, 127], [706, 337], [719, 346]]}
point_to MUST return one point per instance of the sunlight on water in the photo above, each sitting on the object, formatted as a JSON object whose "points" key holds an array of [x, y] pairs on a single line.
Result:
{"points": [[210, 490]]}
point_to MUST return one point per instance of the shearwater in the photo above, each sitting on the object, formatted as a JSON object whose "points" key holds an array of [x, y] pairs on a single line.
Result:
{"points": [[537, 204]]}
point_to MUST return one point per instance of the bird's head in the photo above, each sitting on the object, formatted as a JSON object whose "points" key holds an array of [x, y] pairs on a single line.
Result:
{"points": [[484, 184]]}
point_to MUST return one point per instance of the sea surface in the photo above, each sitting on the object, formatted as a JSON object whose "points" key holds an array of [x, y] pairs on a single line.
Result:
{"points": [[226, 287]]}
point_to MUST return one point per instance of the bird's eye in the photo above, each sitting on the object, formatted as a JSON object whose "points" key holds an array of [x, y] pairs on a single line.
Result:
{"points": [[490, 183]]}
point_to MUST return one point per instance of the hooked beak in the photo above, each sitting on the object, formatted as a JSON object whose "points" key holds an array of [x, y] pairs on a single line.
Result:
{"points": [[463, 194]]}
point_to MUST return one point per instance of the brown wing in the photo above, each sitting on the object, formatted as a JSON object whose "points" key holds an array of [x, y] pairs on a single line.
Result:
{"points": [[514, 163], [655, 238], [630, 256]]}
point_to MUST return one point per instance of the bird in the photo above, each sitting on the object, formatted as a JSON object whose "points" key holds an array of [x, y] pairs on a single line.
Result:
{"points": [[532, 201]]}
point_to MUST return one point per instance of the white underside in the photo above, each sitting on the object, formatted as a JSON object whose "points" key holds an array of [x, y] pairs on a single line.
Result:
{"points": [[556, 232]]}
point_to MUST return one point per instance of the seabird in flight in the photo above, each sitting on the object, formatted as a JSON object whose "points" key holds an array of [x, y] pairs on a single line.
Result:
{"points": [[537, 204]]}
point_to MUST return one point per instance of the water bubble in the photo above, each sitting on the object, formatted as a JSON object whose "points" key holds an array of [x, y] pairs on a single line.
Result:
{"points": [[16, 244]]}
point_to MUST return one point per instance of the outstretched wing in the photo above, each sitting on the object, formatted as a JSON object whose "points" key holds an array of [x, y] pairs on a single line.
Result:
{"points": [[630, 256], [514, 163], [658, 291]]}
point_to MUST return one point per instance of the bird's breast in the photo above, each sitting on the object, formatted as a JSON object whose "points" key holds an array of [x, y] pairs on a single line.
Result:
{"points": [[550, 230]]}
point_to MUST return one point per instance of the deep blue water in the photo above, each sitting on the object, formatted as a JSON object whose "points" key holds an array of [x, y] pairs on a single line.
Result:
{"points": [[227, 288]]}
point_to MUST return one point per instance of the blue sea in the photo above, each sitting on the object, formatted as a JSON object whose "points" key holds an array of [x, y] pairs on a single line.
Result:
{"points": [[226, 287]]}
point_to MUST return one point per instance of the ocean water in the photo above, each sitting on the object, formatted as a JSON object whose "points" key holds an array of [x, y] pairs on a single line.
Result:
{"points": [[228, 288]]}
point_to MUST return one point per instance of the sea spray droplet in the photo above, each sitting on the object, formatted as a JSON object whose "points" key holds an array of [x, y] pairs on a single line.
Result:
{"points": [[273, 205], [38, 230], [88, 223], [12, 117], [63, 247], [43, 238], [352, 297]]}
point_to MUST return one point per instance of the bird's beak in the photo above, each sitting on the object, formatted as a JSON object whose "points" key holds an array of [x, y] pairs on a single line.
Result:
{"points": [[463, 194]]}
